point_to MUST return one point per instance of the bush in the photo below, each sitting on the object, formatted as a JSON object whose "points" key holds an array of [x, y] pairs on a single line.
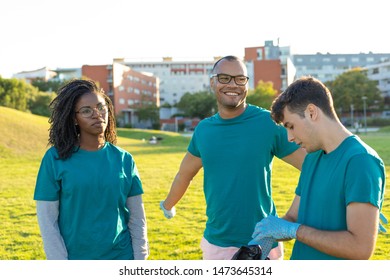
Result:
{"points": [[378, 122]]}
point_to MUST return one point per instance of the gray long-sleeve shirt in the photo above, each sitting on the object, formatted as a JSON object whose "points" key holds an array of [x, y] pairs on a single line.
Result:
{"points": [[54, 246]]}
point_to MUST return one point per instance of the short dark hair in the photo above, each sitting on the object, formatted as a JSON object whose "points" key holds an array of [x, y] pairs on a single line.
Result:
{"points": [[301, 93], [228, 58], [63, 133]]}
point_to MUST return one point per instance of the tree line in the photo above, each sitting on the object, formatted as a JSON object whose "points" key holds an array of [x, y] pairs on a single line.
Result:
{"points": [[22, 96], [347, 89]]}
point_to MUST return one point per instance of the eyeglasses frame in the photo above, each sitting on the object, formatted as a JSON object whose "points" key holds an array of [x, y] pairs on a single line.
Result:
{"points": [[231, 77], [93, 110]]}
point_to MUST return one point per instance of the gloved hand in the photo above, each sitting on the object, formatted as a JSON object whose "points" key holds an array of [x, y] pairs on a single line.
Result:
{"points": [[382, 218], [167, 213], [276, 228], [265, 244]]}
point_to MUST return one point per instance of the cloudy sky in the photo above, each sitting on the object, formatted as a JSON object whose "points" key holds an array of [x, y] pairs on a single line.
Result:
{"points": [[70, 33]]}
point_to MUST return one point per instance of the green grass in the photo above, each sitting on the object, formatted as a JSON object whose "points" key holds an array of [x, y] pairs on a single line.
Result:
{"points": [[24, 141]]}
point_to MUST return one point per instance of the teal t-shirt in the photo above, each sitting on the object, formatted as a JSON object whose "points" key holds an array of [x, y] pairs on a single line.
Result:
{"points": [[92, 188], [237, 157], [353, 172]]}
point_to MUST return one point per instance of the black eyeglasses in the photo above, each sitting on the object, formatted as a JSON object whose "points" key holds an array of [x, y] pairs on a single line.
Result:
{"points": [[240, 80], [87, 112]]}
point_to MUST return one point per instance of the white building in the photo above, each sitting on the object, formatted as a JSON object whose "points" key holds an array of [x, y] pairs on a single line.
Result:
{"points": [[381, 74], [44, 74], [326, 67], [176, 77]]}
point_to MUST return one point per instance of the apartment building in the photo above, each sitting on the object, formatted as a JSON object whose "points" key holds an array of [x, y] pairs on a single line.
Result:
{"points": [[381, 74], [270, 63], [176, 77], [326, 67], [129, 90]]}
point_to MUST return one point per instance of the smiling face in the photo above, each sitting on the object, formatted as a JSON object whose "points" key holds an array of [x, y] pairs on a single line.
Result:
{"points": [[96, 124], [230, 96]]}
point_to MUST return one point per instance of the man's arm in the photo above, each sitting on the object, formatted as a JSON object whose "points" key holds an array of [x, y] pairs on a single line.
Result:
{"points": [[189, 167], [358, 242], [296, 158]]}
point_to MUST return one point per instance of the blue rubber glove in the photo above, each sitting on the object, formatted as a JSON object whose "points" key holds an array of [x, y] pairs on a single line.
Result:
{"points": [[276, 228], [382, 218], [167, 213], [265, 244]]}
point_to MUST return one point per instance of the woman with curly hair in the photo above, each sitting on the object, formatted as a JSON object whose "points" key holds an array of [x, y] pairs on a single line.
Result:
{"points": [[88, 190]]}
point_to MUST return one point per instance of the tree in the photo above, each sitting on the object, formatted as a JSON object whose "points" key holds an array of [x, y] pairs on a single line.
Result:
{"points": [[262, 95], [40, 102], [200, 104], [16, 93], [349, 88], [151, 113], [48, 86], [20, 95]]}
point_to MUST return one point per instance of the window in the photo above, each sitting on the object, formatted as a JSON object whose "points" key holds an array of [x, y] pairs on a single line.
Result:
{"points": [[260, 54], [355, 59]]}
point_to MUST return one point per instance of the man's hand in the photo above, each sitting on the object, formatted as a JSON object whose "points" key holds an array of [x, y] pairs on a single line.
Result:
{"points": [[276, 228], [383, 219], [265, 244], [167, 213]]}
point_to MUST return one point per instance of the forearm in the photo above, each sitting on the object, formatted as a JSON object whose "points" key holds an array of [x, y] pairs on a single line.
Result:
{"points": [[137, 227], [179, 187], [54, 246], [341, 244]]}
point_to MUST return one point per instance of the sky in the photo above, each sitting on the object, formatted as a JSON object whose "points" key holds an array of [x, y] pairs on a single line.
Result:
{"points": [[71, 33]]}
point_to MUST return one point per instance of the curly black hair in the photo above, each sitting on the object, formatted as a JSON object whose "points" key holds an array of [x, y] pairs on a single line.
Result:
{"points": [[63, 133]]}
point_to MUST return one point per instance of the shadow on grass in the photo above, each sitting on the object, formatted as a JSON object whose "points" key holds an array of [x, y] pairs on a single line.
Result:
{"points": [[170, 143]]}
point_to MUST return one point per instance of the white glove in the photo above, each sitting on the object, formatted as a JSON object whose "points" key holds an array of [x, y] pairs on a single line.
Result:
{"points": [[167, 213]]}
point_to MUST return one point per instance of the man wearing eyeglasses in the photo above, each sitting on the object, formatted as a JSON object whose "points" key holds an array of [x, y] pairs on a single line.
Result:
{"points": [[235, 147]]}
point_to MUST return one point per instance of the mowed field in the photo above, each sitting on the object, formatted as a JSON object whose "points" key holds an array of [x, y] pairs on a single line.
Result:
{"points": [[23, 142]]}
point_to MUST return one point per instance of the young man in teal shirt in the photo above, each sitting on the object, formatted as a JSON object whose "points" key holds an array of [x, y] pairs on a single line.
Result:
{"points": [[235, 148], [335, 213]]}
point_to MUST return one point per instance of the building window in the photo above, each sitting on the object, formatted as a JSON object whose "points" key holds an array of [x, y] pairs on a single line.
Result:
{"points": [[267, 52], [260, 54], [121, 101]]}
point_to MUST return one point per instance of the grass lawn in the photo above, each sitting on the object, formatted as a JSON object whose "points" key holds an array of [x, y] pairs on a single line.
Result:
{"points": [[23, 143]]}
